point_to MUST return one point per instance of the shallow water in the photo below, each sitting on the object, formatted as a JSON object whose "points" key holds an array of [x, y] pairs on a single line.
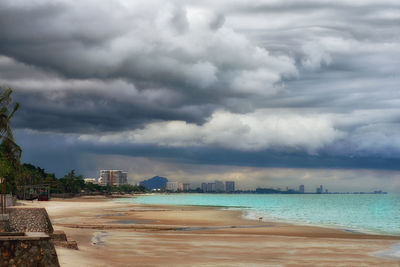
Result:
{"points": [[371, 213]]}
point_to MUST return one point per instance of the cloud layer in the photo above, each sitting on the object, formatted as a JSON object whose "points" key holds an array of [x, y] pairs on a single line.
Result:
{"points": [[316, 78], [252, 131]]}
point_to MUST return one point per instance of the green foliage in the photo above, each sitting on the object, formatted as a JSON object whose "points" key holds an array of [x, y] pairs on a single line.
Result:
{"points": [[10, 149], [7, 171], [69, 183], [10, 152], [90, 187]]}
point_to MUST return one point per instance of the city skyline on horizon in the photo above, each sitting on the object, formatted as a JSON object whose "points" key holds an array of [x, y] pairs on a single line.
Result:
{"points": [[304, 188]]}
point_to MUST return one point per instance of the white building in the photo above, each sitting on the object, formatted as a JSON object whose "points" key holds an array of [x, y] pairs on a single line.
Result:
{"points": [[211, 187], [90, 180], [172, 186], [204, 187], [113, 177], [186, 187]]}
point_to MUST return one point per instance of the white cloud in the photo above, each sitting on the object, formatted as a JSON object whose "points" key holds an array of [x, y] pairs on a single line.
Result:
{"points": [[254, 131]]}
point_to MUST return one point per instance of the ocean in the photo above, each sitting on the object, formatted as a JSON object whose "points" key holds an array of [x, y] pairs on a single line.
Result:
{"points": [[367, 213]]}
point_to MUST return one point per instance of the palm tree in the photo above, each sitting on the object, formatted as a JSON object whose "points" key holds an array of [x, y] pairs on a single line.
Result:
{"points": [[11, 149]]}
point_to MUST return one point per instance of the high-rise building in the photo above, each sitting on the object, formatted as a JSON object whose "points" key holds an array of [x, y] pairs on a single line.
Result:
{"points": [[204, 187], [230, 186], [113, 177], [211, 187], [301, 188], [320, 189], [219, 186], [172, 186], [186, 187]]}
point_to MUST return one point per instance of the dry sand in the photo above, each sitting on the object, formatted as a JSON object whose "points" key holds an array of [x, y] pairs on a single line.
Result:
{"points": [[121, 234]]}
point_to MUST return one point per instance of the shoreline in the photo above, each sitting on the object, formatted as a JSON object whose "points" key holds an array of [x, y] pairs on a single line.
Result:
{"points": [[152, 235], [245, 209], [331, 226]]}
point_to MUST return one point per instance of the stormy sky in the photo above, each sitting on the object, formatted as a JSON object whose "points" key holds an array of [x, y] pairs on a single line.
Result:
{"points": [[266, 93]]}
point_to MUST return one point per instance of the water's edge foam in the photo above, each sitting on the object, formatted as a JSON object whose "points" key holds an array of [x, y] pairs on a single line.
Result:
{"points": [[393, 252], [250, 214]]}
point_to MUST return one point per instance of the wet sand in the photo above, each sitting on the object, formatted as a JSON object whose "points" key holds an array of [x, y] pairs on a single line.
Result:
{"points": [[123, 234]]}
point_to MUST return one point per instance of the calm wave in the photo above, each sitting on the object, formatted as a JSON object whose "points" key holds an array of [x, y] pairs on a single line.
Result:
{"points": [[365, 213]]}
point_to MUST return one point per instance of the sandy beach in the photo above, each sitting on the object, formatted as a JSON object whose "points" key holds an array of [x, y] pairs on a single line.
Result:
{"points": [[111, 233]]}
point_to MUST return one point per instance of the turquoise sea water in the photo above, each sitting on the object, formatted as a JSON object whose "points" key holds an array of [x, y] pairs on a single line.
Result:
{"points": [[366, 213]]}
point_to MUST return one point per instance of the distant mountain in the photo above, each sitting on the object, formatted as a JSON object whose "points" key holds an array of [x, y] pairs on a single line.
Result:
{"points": [[156, 182]]}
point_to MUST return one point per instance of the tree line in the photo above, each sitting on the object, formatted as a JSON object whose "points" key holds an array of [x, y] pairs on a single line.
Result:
{"points": [[69, 183]]}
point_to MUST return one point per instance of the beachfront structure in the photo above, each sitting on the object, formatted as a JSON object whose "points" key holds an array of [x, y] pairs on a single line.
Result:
{"points": [[172, 186], [211, 187], [113, 177], [91, 180], [230, 186], [204, 187], [186, 187], [301, 188], [180, 186]]}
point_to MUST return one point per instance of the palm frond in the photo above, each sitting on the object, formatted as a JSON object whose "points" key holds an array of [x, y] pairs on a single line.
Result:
{"points": [[13, 151], [16, 107], [5, 97]]}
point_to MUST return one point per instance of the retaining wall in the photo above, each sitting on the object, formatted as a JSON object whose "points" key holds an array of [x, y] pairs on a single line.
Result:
{"points": [[29, 220], [29, 249]]}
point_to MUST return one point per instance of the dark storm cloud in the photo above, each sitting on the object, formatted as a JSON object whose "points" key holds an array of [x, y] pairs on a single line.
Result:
{"points": [[195, 68], [93, 112], [91, 104], [136, 42], [65, 153], [59, 154], [256, 77]]}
